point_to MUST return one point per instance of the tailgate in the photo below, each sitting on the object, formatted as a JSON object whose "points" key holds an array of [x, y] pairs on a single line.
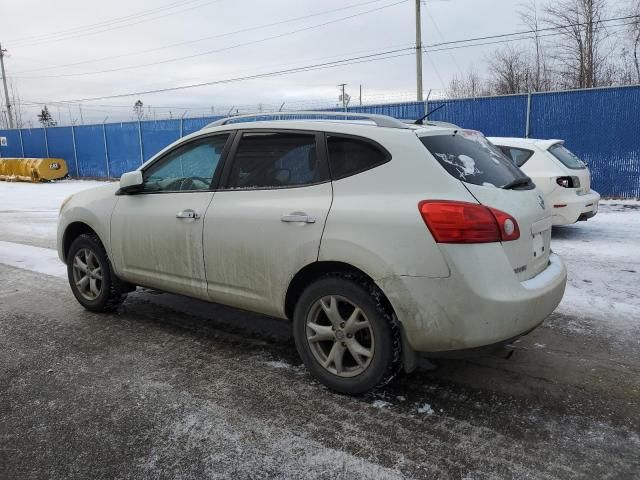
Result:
{"points": [[528, 255]]}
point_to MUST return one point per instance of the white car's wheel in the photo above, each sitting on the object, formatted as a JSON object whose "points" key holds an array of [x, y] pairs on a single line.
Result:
{"points": [[89, 271], [345, 336]]}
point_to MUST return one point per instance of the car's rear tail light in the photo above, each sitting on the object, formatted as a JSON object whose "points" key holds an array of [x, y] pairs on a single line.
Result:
{"points": [[568, 182], [464, 222]]}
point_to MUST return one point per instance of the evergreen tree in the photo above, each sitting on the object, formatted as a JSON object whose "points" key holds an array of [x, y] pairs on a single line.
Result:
{"points": [[45, 118], [138, 108]]}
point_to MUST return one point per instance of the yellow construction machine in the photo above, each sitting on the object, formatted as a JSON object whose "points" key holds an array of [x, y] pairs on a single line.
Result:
{"points": [[32, 169]]}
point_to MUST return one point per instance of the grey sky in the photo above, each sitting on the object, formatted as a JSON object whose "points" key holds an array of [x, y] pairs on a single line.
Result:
{"points": [[386, 29]]}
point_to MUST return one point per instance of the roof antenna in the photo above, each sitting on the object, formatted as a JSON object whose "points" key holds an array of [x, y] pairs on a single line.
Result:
{"points": [[420, 121]]}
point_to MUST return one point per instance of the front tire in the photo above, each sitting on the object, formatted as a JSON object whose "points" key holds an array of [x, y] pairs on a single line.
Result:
{"points": [[92, 281], [346, 337]]}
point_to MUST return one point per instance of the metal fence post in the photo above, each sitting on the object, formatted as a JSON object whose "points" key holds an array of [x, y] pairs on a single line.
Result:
{"points": [[140, 140], [46, 141], [21, 143], [181, 124], [527, 128], [75, 153], [106, 149]]}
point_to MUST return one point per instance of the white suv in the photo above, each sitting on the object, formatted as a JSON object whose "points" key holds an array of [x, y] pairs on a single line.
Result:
{"points": [[563, 178], [379, 240]]}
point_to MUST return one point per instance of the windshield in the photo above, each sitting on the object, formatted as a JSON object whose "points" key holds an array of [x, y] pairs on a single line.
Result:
{"points": [[567, 157], [470, 157]]}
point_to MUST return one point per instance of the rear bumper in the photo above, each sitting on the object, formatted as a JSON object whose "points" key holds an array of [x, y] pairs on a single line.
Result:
{"points": [[482, 303], [569, 208]]}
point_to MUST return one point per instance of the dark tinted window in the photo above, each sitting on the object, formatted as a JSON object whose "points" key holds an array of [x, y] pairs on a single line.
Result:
{"points": [[271, 160], [470, 157], [190, 167], [568, 158], [518, 156], [348, 156]]}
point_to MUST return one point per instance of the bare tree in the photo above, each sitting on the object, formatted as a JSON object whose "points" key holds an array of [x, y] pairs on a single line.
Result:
{"points": [[468, 85], [510, 71], [540, 78], [579, 50], [634, 36]]}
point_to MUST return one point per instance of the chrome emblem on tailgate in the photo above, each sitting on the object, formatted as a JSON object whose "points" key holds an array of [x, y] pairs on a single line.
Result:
{"points": [[541, 201]]}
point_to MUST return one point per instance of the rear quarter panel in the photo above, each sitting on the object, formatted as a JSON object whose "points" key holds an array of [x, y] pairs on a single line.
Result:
{"points": [[374, 223]]}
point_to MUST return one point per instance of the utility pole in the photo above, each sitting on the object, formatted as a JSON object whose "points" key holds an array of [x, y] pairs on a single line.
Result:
{"points": [[344, 99], [361, 95], [419, 51], [6, 91]]}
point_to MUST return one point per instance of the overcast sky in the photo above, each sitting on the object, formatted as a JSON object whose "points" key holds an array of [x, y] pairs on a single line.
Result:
{"points": [[41, 37]]}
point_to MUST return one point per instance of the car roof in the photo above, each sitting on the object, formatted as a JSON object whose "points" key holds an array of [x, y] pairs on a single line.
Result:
{"points": [[523, 142], [363, 127]]}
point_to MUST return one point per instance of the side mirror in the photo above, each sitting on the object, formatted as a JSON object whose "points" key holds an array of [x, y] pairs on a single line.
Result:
{"points": [[130, 182]]}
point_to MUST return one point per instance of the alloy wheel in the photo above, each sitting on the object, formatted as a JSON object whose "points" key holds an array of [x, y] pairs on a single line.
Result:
{"points": [[340, 336], [87, 274]]}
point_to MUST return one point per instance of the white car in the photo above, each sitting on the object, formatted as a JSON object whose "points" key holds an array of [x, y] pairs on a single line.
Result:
{"points": [[564, 179], [379, 240]]}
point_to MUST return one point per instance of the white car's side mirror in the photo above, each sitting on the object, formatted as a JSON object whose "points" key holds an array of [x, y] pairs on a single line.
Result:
{"points": [[130, 182]]}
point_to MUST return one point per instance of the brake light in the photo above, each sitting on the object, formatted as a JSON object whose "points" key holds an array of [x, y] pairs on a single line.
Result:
{"points": [[464, 222], [568, 182]]}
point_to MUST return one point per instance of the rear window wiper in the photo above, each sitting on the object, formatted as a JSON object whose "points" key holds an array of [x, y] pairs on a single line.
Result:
{"points": [[518, 182]]}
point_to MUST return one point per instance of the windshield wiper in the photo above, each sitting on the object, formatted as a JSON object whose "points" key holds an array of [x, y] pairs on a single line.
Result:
{"points": [[518, 182]]}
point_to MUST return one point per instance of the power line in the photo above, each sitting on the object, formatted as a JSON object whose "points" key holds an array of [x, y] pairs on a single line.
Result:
{"points": [[211, 37], [92, 30], [428, 48], [346, 61], [526, 32], [218, 50]]}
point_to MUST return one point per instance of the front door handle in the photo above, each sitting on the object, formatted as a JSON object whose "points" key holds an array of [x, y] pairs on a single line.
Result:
{"points": [[298, 217], [188, 214]]}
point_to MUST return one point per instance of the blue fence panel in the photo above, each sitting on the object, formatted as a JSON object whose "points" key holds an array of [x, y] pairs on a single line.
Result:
{"points": [[92, 161], [157, 135], [497, 116], [60, 142], [404, 111], [13, 148], [34, 143], [600, 126], [123, 145], [190, 125]]}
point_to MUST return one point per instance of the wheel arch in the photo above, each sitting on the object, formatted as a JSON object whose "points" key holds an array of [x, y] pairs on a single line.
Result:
{"points": [[73, 231], [313, 271]]}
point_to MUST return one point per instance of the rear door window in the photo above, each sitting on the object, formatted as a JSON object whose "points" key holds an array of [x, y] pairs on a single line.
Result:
{"points": [[518, 156], [471, 158], [276, 160], [567, 157], [348, 156]]}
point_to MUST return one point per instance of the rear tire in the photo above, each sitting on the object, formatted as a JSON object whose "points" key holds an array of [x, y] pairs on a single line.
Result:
{"points": [[91, 278], [346, 337]]}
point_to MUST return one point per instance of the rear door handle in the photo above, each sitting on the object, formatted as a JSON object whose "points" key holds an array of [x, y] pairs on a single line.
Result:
{"points": [[298, 217], [188, 214]]}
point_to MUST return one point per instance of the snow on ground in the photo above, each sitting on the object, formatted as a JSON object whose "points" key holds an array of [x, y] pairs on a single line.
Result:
{"points": [[36, 259], [603, 262], [29, 211]]}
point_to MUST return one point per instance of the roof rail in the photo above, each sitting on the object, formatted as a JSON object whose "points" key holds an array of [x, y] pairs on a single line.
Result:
{"points": [[379, 120]]}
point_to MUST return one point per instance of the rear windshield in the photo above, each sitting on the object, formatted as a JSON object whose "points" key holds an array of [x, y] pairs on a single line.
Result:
{"points": [[567, 157], [471, 158]]}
